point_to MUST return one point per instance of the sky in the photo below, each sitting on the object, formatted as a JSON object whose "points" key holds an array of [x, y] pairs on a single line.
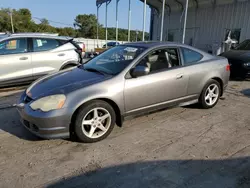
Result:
{"points": [[65, 11]]}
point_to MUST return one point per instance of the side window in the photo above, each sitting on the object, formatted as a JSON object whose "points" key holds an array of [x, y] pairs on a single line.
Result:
{"points": [[162, 59], [190, 56], [13, 46], [41, 44]]}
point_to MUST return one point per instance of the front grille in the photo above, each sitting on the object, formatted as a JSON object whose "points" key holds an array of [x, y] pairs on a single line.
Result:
{"points": [[34, 128], [30, 126], [26, 123]]}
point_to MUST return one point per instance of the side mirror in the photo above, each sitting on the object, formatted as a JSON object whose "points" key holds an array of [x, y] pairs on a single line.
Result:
{"points": [[139, 71]]}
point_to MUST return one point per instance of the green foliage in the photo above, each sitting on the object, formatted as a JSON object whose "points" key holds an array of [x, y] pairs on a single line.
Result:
{"points": [[44, 21], [122, 34], [85, 26]]}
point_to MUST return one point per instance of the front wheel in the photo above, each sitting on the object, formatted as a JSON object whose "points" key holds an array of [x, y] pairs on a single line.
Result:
{"points": [[94, 121], [210, 94]]}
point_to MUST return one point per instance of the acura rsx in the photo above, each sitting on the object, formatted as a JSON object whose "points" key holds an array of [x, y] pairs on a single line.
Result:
{"points": [[126, 80]]}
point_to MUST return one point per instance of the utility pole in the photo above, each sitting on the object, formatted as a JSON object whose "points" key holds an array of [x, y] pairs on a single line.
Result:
{"points": [[11, 21], [136, 35]]}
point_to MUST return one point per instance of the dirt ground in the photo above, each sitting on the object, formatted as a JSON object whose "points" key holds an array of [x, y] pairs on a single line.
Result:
{"points": [[179, 147]]}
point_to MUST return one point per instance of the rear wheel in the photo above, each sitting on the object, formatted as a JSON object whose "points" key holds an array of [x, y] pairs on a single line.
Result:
{"points": [[210, 94], [94, 121]]}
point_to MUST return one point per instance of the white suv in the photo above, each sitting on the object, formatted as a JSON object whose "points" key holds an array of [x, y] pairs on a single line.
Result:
{"points": [[27, 56]]}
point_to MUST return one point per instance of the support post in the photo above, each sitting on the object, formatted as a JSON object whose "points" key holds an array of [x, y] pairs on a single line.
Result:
{"points": [[106, 23], [144, 20], [97, 26], [117, 22], [162, 19], [185, 23], [129, 19]]}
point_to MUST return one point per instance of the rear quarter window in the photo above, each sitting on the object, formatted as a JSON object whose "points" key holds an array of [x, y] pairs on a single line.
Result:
{"points": [[43, 44], [190, 56]]}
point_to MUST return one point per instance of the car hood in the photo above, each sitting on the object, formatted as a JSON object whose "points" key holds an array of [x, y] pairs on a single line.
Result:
{"points": [[64, 82], [237, 55]]}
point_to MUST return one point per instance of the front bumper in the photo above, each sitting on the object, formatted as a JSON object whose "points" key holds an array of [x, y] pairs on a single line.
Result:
{"points": [[48, 125], [248, 74]]}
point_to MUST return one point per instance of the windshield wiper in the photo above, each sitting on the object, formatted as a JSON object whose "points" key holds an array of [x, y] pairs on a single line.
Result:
{"points": [[93, 70]]}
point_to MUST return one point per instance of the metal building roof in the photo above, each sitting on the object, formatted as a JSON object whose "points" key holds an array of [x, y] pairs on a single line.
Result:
{"points": [[175, 5]]}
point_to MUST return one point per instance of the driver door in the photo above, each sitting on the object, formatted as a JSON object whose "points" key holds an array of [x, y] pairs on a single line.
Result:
{"points": [[165, 82]]}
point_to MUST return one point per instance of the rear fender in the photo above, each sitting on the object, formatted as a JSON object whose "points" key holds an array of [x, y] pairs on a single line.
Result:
{"points": [[216, 75]]}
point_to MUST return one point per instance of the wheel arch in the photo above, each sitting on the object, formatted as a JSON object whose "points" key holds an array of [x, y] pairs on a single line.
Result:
{"points": [[220, 82], [73, 63], [212, 77], [119, 118]]}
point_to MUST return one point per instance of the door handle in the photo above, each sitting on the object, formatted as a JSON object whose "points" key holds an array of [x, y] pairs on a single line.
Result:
{"points": [[61, 54], [179, 76], [23, 58]]}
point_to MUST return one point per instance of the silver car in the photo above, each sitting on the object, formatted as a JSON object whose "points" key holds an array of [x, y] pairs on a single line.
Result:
{"points": [[125, 80], [25, 57]]}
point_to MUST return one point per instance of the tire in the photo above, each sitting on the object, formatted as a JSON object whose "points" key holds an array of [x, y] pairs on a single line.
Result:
{"points": [[99, 118], [206, 94]]}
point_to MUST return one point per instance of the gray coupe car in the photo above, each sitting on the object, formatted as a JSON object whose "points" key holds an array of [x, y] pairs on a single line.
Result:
{"points": [[125, 80]]}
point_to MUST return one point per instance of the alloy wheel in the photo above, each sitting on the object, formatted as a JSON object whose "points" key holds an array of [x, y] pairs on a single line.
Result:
{"points": [[212, 94], [96, 122]]}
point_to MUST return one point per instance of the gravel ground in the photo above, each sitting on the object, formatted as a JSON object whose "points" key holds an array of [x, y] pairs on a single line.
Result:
{"points": [[179, 147]]}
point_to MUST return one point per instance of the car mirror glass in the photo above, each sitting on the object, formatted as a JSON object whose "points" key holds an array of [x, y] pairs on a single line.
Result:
{"points": [[139, 71]]}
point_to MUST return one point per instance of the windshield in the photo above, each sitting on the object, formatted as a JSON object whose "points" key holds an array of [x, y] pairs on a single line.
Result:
{"points": [[245, 45], [114, 60]]}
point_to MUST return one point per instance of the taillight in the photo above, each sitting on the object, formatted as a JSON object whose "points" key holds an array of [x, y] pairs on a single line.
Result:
{"points": [[83, 48], [228, 67]]}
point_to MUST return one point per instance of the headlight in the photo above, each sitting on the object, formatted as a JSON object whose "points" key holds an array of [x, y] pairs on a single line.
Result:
{"points": [[247, 64], [49, 103]]}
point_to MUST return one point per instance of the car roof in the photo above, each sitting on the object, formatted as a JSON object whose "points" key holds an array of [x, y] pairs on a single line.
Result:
{"points": [[35, 35], [155, 44], [151, 44]]}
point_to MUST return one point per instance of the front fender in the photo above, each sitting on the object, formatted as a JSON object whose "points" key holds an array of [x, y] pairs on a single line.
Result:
{"points": [[103, 90]]}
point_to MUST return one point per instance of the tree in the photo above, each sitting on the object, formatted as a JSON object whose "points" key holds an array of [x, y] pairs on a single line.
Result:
{"points": [[67, 31], [44, 21], [5, 20], [87, 25], [122, 35], [25, 13], [23, 21]]}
